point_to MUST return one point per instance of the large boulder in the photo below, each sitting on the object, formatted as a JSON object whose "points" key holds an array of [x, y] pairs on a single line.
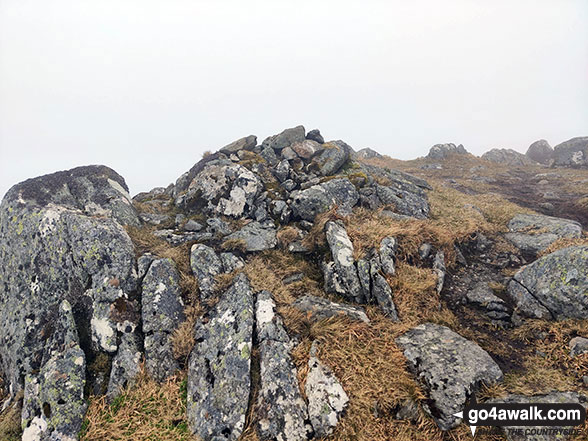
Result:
{"points": [[246, 143], [162, 311], [220, 187], [571, 153], [449, 367], [553, 286], [281, 409], [256, 236], [219, 369], [306, 204], [442, 151], [541, 152], [532, 233], [508, 157], [368, 153], [60, 240]]}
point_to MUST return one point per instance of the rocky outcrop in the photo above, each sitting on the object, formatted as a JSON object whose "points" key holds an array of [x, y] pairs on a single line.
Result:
{"points": [[507, 157], [532, 233], [327, 399], [553, 286], [319, 308], [61, 240], [571, 153], [306, 204], [256, 236], [281, 409], [442, 151], [449, 367], [367, 153], [162, 313], [219, 377], [540, 152]]}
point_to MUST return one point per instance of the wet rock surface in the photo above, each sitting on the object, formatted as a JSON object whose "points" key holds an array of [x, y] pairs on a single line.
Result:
{"points": [[450, 367]]}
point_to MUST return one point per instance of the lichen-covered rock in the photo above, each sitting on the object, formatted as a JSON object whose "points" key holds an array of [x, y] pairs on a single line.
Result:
{"points": [[256, 236], [221, 187], [327, 399], [532, 233], [58, 241], [553, 286], [332, 157], [449, 367], [162, 311], [572, 153], [552, 397], [306, 204], [219, 377], [320, 308], [206, 265], [126, 364], [439, 269], [541, 152], [442, 151], [307, 148], [53, 404], [388, 247], [285, 138], [484, 298], [508, 157], [280, 407], [344, 264]]}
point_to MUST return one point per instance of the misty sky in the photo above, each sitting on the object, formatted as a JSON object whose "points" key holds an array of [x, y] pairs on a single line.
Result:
{"points": [[146, 87]]}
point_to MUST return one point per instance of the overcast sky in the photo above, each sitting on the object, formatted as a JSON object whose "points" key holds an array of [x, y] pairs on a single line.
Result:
{"points": [[147, 86]]}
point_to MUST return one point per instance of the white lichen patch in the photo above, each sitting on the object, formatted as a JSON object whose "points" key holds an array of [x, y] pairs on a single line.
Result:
{"points": [[103, 334], [51, 216], [34, 431], [265, 312], [120, 189]]}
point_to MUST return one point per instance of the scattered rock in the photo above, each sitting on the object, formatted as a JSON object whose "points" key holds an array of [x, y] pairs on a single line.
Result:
{"points": [[532, 233], [578, 346], [449, 367], [553, 286], [219, 377], [327, 399], [483, 297], [281, 409], [320, 308]]}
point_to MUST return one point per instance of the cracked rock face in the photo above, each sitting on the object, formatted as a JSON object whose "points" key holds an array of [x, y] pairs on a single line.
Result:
{"points": [[163, 311], [59, 240], [53, 404], [532, 233], [280, 407], [219, 378], [327, 399], [553, 286], [449, 367]]}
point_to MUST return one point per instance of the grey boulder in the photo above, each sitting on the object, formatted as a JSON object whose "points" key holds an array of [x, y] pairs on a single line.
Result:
{"points": [[306, 204], [572, 153], [206, 265], [285, 138], [256, 236], [553, 286], [541, 152], [315, 135], [246, 143], [442, 151], [507, 157], [331, 158], [578, 346], [319, 308], [449, 367]]}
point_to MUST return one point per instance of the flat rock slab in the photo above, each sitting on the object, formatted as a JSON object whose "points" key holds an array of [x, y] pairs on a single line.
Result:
{"points": [[256, 236], [554, 286], [532, 233], [449, 367], [219, 377]]}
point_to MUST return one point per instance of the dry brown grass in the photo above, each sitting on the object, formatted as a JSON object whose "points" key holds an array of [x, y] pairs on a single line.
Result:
{"points": [[146, 412], [10, 429], [287, 235], [564, 243], [234, 245]]}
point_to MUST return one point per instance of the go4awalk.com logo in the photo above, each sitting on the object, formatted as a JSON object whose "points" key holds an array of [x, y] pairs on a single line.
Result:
{"points": [[525, 418]]}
